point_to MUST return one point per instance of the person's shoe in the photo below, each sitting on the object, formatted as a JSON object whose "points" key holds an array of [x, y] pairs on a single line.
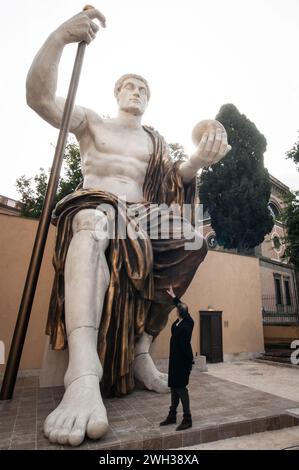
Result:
{"points": [[171, 419], [185, 424]]}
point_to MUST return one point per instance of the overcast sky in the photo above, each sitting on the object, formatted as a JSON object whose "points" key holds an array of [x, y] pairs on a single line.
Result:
{"points": [[195, 54]]}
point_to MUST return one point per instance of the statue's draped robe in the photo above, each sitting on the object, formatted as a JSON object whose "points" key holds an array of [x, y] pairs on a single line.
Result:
{"points": [[140, 269]]}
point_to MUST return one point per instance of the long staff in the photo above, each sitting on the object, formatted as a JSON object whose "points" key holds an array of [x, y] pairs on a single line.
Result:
{"points": [[20, 331]]}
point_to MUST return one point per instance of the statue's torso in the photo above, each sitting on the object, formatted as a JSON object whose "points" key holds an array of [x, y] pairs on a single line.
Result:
{"points": [[115, 159]]}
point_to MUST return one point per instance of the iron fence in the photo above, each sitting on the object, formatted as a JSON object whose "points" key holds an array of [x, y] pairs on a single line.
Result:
{"points": [[279, 314]]}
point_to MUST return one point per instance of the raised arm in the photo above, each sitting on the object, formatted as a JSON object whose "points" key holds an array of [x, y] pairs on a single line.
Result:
{"points": [[42, 77]]}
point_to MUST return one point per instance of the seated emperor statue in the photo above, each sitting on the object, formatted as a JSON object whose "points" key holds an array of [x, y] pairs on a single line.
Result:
{"points": [[109, 299]]}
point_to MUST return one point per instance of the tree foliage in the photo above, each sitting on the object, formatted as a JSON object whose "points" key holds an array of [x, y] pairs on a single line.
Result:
{"points": [[177, 152], [236, 190], [33, 189], [290, 217], [293, 154]]}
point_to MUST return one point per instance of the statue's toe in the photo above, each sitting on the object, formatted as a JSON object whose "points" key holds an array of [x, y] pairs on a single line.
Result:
{"points": [[97, 425], [77, 433], [64, 432], [50, 422], [59, 419]]}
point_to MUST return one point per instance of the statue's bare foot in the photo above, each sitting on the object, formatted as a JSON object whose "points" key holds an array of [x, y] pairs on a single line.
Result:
{"points": [[80, 412], [147, 373]]}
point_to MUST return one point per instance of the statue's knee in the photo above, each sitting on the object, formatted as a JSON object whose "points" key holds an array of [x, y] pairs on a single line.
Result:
{"points": [[93, 221]]}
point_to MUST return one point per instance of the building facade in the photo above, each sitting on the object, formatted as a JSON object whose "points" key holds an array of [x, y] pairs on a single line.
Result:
{"points": [[279, 289], [10, 206]]}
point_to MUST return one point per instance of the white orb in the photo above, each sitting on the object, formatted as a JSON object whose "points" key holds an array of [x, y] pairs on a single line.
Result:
{"points": [[208, 125]]}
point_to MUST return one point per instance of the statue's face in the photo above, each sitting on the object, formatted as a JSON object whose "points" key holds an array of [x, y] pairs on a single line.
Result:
{"points": [[132, 97]]}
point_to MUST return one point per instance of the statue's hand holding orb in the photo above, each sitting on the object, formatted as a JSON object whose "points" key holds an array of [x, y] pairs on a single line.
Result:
{"points": [[210, 138], [205, 127]]}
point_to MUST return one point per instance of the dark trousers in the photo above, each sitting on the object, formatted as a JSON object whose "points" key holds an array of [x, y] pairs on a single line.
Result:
{"points": [[176, 395]]}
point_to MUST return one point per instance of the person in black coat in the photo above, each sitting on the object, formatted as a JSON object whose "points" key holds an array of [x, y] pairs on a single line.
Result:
{"points": [[180, 364]]}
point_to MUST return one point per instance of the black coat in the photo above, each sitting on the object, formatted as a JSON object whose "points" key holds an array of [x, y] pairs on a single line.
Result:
{"points": [[180, 356]]}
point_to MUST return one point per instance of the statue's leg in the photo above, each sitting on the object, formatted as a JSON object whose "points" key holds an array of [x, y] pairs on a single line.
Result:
{"points": [[81, 410], [144, 368], [176, 266]]}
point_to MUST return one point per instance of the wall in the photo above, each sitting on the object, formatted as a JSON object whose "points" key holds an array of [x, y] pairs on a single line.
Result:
{"points": [[280, 334], [230, 283], [225, 281]]}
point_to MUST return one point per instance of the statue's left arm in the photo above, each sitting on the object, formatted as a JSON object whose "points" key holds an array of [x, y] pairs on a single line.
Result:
{"points": [[212, 148]]}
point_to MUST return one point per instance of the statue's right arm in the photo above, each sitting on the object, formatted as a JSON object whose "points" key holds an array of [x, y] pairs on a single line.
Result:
{"points": [[42, 77]]}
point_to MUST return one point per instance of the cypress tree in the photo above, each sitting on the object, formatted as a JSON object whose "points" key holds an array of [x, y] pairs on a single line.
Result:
{"points": [[236, 190]]}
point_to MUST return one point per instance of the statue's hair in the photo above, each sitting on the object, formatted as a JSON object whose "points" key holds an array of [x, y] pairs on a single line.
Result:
{"points": [[121, 80]]}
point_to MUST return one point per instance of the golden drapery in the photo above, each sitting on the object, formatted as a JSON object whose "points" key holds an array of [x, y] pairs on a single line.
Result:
{"points": [[133, 301]]}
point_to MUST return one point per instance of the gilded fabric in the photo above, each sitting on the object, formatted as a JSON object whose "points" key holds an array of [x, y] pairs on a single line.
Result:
{"points": [[140, 268]]}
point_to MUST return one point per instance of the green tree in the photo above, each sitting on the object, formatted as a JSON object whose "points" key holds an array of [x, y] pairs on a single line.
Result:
{"points": [[33, 190], [293, 154], [290, 217], [236, 190], [71, 169]]}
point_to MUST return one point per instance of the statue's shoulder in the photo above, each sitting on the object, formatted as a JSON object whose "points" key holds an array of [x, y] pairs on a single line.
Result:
{"points": [[150, 129]]}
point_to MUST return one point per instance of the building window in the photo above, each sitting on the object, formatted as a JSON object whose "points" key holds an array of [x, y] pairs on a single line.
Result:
{"points": [[287, 291], [278, 294], [276, 242], [274, 210]]}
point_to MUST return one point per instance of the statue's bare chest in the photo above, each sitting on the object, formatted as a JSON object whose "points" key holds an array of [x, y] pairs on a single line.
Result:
{"points": [[125, 143], [116, 153]]}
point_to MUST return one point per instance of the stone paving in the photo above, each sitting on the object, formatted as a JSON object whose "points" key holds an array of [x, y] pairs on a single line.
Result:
{"points": [[287, 439], [220, 409], [272, 378]]}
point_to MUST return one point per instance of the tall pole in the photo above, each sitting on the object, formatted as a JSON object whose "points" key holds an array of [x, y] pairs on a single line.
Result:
{"points": [[20, 331]]}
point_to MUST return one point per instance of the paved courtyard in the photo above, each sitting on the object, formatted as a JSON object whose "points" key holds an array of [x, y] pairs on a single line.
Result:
{"points": [[221, 408], [275, 379]]}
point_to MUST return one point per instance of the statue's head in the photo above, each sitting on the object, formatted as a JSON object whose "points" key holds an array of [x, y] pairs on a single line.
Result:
{"points": [[132, 93]]}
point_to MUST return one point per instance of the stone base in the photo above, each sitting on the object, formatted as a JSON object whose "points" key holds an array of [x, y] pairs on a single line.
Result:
{"points": [[200, 364], [242, 356], [55, 364], [293, 412], [24, 373]]}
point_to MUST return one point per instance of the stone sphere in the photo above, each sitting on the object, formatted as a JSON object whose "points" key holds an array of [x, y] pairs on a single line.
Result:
{"points": [[208, 125]]}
